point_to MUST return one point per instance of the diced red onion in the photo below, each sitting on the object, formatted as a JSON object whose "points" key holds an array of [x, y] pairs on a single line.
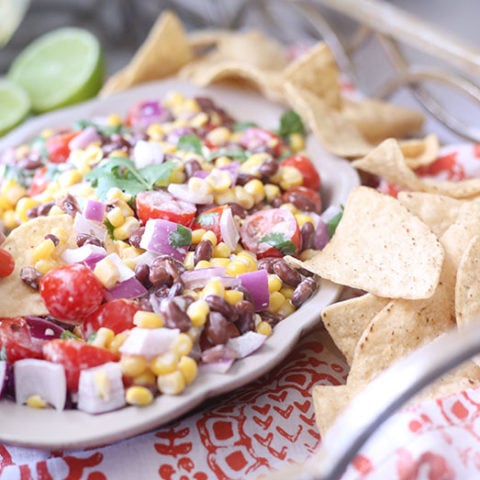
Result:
{"points": [[156, 238], [39, 377], [90, 399], [89, 227], [233, 169], [92, 260], [149, 342], [201, 174], [147, 153], [84, 139], [228, 229], [321, 237], [81, 254], [222, 366], [150, 112], [3, 376], [131, 288], [43, 329], [257, 284], [247, 343], [94, 210]]}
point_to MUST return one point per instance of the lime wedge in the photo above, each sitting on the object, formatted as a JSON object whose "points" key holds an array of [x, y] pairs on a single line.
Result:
{"points": [[60, 68], [14, 106]]}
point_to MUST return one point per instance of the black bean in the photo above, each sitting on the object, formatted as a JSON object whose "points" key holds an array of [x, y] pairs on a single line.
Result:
{"points": [[203, 251], [238, 210], [191, 166], [268, 168], [303, 291], [55, 240], [244, 178], [144, 304], [246, 316], [174, 316], [301, 201], [308, 232], [142, 273], [219, 330], [136, 237], [219, 304], [276, 202], [287, 274], [165, 270], [68, 204], [30, 276], [270, 318], [267, 263], [86, 239], [246, 294]]}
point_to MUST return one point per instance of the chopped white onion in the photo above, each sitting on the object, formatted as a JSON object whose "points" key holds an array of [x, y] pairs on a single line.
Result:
{"points": [[89, 227], [147, 153], [76, 255], [228, 229], [330, 212], [42, 378], [149, 342], [100, 389], [247, 343], [222, 366], [184, 192], [124, 271]]}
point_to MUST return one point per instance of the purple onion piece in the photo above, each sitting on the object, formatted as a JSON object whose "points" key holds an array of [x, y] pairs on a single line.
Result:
{"points": [[130, 288], [43, 329], [94, 210], [257, 284], [321, 237], [84, 139]]}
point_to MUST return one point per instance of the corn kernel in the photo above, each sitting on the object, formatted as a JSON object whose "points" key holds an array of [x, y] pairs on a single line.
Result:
{"points": [[197, 235], [12, 191], [182, 345], [307, 254], [290, 207], [211, 237], [199, 185], [61, 233], [43, 250], [189, 260], [289, 177], [222, 161], [202, 264], [302, 219], [247, 259], [45, 265], [172, 383], [155, 132], [243, 198], [115, 193], [118, 153], [103, 337], [264, 328], [233, 296], [222, 250], [124, 207], [107, 272], [219, 262], [188, 368], [296, 142], [138, 396], [146, 378], [55, 210], [116, 217], [287, 308], [213, 287], [164, 363], [276, 300], [198, 312], [23, 206], [10, 220], [219, 136], [253, 163], [114, 120], [199, 120], [117, 342], [225, 197], [133, 365], [219, 180], [271, 192], [36, 401], [274, 283], [256, 189], [69, 178], [144, 319], [5, 203], [125, 231], [236, 268], [287, 292]]}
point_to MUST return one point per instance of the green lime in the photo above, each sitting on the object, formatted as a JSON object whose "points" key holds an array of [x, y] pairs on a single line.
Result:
{"points": [[14, 105], [60, 68]]}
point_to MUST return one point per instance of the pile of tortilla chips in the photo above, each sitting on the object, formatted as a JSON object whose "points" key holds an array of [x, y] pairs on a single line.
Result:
{"points": [[417, 260]]}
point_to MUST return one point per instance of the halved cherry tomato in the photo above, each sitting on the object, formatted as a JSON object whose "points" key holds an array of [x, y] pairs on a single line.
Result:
{"points": [[271, 233], [160, 204], [210, 220], [7, 263], [17, 341], [57, 146], [39, 182], [311, 178], [116, 315], [257, 139], [76, 356], [71, 292], [304, 199]]}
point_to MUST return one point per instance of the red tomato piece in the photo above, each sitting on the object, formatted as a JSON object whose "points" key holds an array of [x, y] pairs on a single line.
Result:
{"points": [[257, 139], [16, 339], [39, 182], [271, 233], [117, 315], [57, 146], [304, 199], [210, 220], [311, 178], [160, 204], [76, 356], [71, 292], [7, 263]]}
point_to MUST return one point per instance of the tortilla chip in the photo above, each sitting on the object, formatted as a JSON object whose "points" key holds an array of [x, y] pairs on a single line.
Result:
{"points": [[16, 298], [420, 152], [163, 53], [380, 247], [317, 72], [378, 120], [337, 134], [345, 321], [388, 162], [467, 288], [328, 402], [437, 211]]}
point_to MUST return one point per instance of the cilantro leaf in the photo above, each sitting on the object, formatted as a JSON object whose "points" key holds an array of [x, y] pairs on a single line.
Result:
{"points": [[158, 175], [190, 143], [290, 122], [208, 219], [333, 223], [67, 334], [181, 237], [91, 337], [280, 242], [105, 130], [241, 126], [3, 353], [110, 228]]}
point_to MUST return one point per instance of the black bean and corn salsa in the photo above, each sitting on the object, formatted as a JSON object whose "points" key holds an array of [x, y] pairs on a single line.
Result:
{"points": [[178, 218]]}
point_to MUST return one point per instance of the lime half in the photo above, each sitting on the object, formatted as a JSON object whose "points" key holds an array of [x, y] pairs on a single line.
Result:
{"points": [[14, 105], [60, 68]]}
